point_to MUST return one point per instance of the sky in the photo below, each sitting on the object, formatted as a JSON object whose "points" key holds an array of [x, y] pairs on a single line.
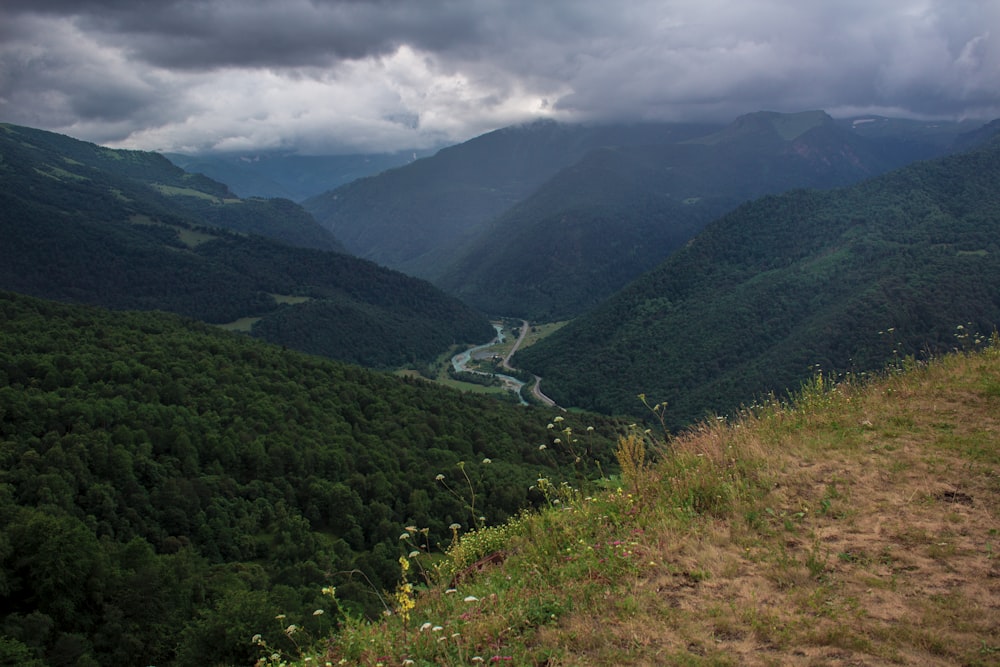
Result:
{"points": [[347, 76]]}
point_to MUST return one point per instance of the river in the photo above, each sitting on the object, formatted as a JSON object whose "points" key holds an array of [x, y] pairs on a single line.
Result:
{"points": [[461, 361]]}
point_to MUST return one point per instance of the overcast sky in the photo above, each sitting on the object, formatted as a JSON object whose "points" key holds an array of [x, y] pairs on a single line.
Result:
{"points": [[370, 75]]}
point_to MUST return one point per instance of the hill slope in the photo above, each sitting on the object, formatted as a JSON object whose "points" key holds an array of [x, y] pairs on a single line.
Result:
{"points": [[841, 280], [414, 218], [856, 526], [124, 229], [165, 486], [79, 169], [620, 211]]}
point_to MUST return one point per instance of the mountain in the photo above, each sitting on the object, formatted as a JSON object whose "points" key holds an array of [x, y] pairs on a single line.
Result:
{"points": [[414, 218], [786, 286], [619, 211], [128, 230], [295, 177], [95, 173], [168, 488]]}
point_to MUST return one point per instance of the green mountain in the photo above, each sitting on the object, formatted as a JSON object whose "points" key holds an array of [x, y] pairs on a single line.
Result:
{"points": [[416, 217], [167, 488], [295, 177], [85, 170], [620, 211], [128, 230], [838, 281]]}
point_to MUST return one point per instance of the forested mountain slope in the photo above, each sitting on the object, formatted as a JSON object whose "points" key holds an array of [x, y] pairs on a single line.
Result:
{"points": [[85, 224], [95, 178], [838, 281], [620, 211], [416, 217], [167, 488]]}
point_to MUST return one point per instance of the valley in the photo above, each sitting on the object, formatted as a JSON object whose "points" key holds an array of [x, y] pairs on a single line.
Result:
{"points": [[204, 424]]}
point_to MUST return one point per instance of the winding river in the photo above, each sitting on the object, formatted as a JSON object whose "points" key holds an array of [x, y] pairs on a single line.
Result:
{"points": [[461, 361]]}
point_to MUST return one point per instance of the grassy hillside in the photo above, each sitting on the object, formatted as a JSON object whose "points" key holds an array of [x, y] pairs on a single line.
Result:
{"points": [[165, 486], [842, 281], [128, 230], [856, 525]]}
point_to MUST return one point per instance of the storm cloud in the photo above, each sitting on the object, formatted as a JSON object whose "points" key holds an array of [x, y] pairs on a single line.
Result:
{"points": [[368, 75]]}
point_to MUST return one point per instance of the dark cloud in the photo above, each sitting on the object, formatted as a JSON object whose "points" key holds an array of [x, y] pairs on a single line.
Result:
{"points": [[380, 74]]}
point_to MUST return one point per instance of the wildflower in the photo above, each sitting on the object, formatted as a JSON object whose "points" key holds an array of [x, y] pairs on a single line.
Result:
{"points": [[557, 419], [413, 554], [550, 425], [437, 628], [471, 598], [408, 662], [451, 591], [455, 526], [290, 630], [280, 617], [329, 590], [425, 626], [411, 529], [487, 462], [590, 429], [477, 658], [318, 612], [440, 477], [404, 536], [557, 441], [542, 448]]}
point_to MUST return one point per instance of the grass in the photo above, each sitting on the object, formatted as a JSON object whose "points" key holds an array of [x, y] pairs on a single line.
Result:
{"points": [[857, 525]]}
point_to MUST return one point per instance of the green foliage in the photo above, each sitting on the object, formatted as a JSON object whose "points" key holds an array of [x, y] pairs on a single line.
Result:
{"points": [[843, 282], [166, 488]]}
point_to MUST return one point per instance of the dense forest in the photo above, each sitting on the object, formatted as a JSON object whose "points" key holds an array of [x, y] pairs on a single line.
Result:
{"points": [[83, 224], [791, 285], [167, 488]]}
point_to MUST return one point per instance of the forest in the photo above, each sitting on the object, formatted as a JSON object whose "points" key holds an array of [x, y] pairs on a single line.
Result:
{"points": [[167, 488]]}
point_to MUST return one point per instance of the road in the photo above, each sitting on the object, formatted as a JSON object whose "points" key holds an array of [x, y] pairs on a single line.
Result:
{"points": [[536, 387]]}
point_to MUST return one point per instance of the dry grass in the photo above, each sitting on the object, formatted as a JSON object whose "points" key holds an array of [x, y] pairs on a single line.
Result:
{"points": [[857, 527]]}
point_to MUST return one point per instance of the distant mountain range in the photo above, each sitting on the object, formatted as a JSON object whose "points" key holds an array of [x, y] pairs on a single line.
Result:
{"points": [[789, 286], [272, 174], [129, 230], [544, 221]]}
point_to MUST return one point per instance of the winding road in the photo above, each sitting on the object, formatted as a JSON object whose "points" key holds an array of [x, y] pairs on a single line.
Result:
{"points": [[536, 390]]}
